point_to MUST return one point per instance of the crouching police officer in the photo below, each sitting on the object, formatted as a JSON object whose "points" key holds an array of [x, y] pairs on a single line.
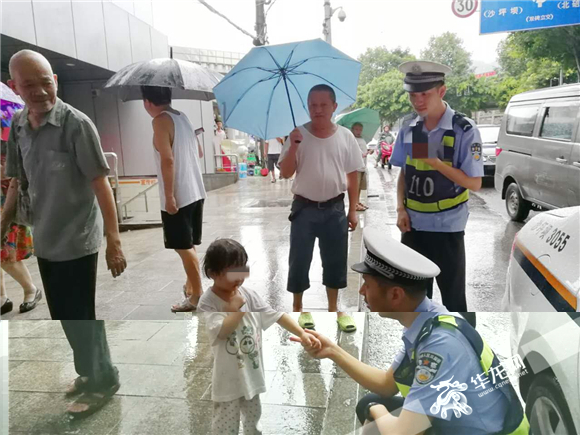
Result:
{"points": [[395, 277], [450, 380], [439, 152]]}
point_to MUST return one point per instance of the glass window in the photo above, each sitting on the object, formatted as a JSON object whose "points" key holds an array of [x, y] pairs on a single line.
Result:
{"points": [[558, 122], [521, 120]]}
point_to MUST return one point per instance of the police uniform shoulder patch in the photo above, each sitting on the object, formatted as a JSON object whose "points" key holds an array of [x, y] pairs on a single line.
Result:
{"points": [[428, 365], [476, 151], [461, 120]]}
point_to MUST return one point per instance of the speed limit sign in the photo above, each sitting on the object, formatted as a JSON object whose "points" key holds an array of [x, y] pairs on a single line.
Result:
{"points": [[464, 8]]}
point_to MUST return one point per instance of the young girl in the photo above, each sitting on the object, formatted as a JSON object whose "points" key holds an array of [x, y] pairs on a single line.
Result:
{"points": [[235, 319]]}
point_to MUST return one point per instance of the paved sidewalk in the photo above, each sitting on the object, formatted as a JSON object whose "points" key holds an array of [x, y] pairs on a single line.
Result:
{"points": [[252, 211], [165, 372]]}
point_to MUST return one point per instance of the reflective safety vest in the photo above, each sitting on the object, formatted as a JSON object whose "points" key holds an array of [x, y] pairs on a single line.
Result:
{"points": [[428, 190], [515, 422]]}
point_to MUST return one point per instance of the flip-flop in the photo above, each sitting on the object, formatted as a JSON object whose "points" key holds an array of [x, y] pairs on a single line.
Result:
{"points": [[306, 321], [185, 306], [346, 324], [95, 401]]}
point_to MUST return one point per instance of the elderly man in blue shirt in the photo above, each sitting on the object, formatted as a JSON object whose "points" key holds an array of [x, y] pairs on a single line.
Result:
{"points": [[439, 152]]}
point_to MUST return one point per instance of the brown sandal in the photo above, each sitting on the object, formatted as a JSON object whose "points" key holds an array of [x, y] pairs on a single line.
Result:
{"points": [[78, 386], [94, 401]]}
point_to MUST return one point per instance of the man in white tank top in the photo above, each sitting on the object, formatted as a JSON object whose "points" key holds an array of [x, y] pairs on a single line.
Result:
{"points": [[181, 189]]}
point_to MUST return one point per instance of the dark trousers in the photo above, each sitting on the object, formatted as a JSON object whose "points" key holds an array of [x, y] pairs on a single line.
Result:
{"points": [[70, 287], [330, 225], [446, 250], [88, 340], [393, 404]]}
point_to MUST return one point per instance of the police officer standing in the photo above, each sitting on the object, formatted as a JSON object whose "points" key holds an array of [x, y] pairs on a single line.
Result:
{"points": [[439, 152]]}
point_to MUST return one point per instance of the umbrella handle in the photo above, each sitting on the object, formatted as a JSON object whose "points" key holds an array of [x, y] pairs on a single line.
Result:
{"points": [[289, 101]]}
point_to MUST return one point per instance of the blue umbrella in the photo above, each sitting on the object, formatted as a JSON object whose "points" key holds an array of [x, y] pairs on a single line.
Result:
{"points": [[266, 93]]}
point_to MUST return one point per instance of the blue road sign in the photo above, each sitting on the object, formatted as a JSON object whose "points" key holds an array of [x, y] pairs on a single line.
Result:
{"points": [[513, 15]]}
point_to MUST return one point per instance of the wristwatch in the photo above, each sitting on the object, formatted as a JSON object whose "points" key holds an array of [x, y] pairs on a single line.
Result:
{"points": [[368, 415]]}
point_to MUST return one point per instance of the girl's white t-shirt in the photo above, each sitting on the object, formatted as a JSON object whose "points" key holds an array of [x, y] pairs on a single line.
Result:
{"points": [[238, 367]]}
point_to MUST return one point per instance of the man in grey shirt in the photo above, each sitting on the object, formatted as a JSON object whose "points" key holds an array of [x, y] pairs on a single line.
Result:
{"points": [[55, 150]]}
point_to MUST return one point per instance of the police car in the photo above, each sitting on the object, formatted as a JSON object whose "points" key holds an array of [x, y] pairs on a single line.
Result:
{"points": [[548, 345], [544, 268]]}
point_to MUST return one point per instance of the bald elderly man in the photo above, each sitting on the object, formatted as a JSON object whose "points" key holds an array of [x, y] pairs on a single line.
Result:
{"points": [[55, 154], [56, 150]]}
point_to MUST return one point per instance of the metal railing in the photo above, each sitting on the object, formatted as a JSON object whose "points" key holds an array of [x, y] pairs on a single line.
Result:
{"points": [[122, 213], [122, 206], [117, 187], [236, 164], [142, 193]]}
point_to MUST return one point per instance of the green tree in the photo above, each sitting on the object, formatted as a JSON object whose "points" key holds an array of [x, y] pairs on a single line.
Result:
{"points": [[469, 94], [560, 44], [385, 94], [380, 60], [448, 49], [532, 60]]}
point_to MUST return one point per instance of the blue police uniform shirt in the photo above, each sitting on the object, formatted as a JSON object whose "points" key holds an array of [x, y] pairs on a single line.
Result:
{"points": [[454, 220], [456, 361], [426, 306]]}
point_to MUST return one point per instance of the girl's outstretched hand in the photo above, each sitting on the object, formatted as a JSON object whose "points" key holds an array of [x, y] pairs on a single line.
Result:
{"points": [[317, 345]]}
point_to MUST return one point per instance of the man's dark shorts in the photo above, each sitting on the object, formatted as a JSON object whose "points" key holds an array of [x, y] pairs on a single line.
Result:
{"points": [[272, 160], [330, 226], [183, 229]]}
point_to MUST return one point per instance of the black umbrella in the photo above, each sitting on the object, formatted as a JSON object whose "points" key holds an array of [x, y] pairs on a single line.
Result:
{"points": [[187, 80]]}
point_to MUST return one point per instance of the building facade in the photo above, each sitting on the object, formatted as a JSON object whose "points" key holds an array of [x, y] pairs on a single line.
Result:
{"points": [[86, 42]]}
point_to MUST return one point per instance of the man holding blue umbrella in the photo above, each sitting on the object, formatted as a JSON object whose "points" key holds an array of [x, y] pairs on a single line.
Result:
{"points": [[325, 158]]}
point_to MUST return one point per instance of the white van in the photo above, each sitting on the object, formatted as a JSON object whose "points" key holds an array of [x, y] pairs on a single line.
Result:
{"points": [[538, 161]]}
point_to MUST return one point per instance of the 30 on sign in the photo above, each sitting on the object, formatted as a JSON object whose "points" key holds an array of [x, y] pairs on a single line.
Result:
{"points": [[464, 8]]}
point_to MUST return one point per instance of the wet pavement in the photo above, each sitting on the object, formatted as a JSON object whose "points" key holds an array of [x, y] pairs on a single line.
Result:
{"points": [[255, 212], [165, 372]]}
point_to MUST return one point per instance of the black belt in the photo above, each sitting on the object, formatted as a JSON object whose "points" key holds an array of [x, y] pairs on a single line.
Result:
{"points": [[319, 204]]}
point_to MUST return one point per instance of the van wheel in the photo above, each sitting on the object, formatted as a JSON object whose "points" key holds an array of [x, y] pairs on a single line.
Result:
{"points": [[517, 207], [546, 408]]}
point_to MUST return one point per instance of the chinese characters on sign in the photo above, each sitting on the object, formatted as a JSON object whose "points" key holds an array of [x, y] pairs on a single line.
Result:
{"points": [[513, 15]]}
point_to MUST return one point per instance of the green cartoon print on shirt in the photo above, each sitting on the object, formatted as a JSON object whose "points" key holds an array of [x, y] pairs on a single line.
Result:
{"points": [[246, 346]]}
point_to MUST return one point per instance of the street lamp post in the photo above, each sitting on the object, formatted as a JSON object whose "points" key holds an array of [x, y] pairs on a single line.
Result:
{"points": [[328, 13]]}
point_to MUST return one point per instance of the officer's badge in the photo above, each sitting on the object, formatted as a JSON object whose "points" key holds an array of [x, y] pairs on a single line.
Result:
{"points": [[428, 364], [476, 151], [416, 69]]}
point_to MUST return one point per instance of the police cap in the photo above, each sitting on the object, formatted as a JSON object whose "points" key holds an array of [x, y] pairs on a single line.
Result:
{"points": [[422, 75], [391, 259]]}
